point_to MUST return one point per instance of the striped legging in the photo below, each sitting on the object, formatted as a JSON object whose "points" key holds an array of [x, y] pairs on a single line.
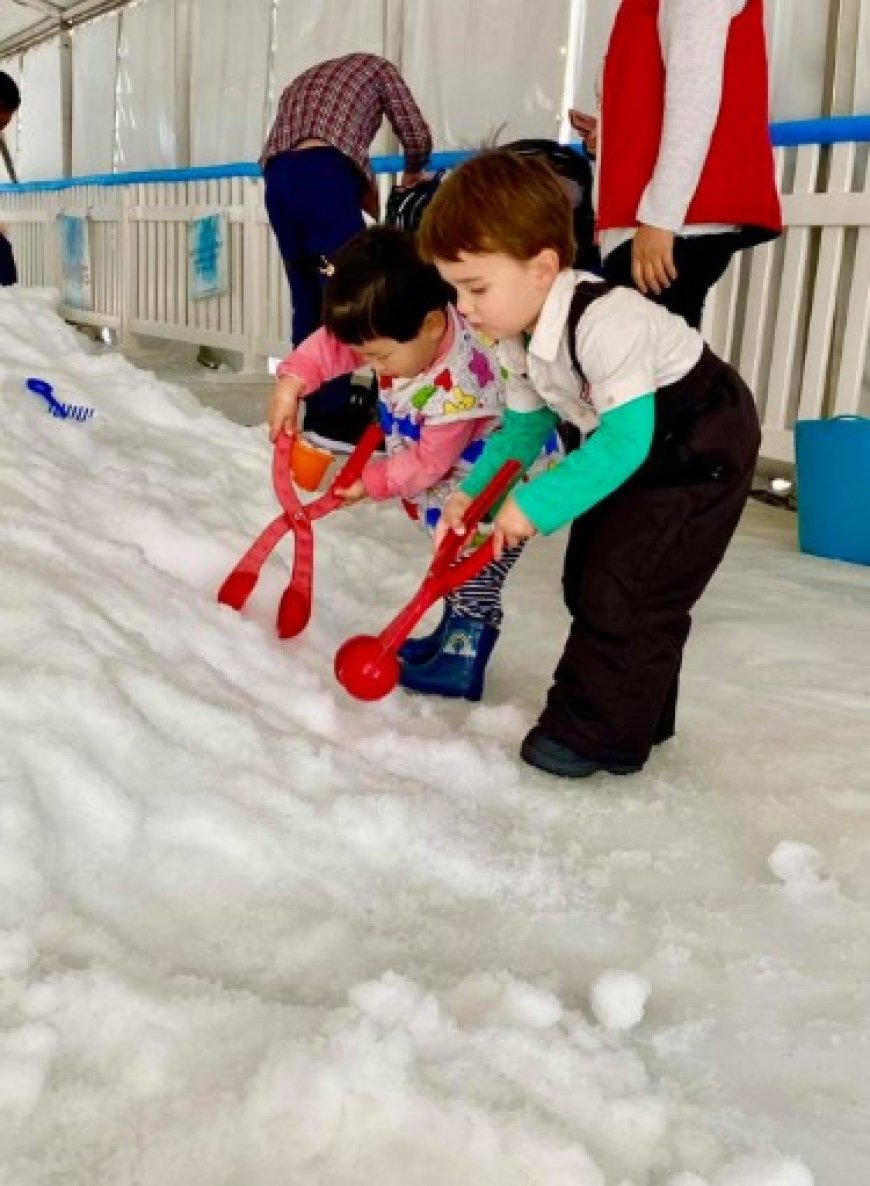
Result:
{"points": [[480, 597]]}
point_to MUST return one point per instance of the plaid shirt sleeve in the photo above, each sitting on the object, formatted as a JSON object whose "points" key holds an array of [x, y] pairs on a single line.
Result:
{"points": [[406, 119]]}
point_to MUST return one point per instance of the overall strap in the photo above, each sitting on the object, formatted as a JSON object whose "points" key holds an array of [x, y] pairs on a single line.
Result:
{"points": [[585, 293]]}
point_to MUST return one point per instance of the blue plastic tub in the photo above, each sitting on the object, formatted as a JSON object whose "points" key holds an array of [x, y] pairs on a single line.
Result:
{"points": [[833, 487]]}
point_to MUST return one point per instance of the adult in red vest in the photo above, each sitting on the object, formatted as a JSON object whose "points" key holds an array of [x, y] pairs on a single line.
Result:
{"points": [[686, 173]]}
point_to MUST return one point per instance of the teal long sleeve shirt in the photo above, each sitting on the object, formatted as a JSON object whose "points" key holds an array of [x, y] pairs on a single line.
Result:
{"points": [[583, 478]]}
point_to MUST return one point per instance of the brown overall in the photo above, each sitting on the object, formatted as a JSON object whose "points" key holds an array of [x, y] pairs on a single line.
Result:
{"points": [[638, 561]]}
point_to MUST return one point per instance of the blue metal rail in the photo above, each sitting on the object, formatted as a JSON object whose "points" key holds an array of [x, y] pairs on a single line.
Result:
{"points": [[784, 135]]}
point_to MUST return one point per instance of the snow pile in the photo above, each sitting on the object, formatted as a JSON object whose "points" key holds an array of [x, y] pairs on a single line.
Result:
{"points": [[253, 931]]}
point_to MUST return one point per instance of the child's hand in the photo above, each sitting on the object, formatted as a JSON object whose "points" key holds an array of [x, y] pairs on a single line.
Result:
{"points": [[451, 516], [355, 492], [284, 405], [511, 527]]}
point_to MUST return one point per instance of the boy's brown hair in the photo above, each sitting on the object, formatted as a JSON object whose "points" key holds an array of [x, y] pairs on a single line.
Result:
{"points": [[499, 202]]}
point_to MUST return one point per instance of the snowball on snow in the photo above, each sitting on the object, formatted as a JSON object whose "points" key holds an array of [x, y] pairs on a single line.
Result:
{"points": [[764, 1171], [792, 861], [618, 998]]}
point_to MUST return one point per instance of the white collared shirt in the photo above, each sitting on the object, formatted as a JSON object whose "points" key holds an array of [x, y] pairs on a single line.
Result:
{"points": [[626, 345]]}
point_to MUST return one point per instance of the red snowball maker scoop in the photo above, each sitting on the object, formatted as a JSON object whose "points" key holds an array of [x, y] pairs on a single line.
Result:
{"points": [[296, 518], [366, 665]]}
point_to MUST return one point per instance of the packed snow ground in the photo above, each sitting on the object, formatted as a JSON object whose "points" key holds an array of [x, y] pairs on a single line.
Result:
{"points": [[253, 932]]}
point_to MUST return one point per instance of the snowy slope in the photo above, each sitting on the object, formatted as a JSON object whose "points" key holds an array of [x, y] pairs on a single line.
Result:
{"points": [[253, 932]]}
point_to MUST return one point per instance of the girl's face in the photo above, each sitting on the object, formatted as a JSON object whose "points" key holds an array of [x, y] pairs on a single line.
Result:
{"points": [[404, 360], [498, 295]]}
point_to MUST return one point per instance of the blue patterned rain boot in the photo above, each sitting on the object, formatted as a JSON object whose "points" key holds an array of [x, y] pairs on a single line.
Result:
{"points": [[421, 650], [458, 667]]}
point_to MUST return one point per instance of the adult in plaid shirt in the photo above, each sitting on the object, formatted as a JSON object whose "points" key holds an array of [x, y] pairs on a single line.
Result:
{"points": [[318, 181]]}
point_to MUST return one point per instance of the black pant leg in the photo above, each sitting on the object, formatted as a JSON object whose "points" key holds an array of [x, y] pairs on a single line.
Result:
{"points": [[8, 271], [644, 569], [313, 201], [700, 261], [634, 567]]}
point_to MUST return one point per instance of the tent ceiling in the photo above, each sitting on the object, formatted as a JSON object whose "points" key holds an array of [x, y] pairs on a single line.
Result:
{"points": [[17, 16], [22, 19]]}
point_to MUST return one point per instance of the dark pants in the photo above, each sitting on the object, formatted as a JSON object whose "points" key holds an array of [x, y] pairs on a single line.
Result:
{"points": [[638, 561], [313, 201], [8, 271], [700, 261]]}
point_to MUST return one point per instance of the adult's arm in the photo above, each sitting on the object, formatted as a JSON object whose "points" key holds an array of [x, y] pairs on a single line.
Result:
{"points": [[406, 119], [693, 35]]}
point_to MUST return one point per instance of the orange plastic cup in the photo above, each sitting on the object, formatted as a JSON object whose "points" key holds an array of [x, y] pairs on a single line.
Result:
{"points": [[309, 464]]}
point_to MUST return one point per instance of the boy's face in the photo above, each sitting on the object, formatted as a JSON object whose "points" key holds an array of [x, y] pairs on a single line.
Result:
{"points": [[501, 296]]}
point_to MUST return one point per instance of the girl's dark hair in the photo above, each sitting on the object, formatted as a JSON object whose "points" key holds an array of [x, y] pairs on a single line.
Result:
{"points": [[380, 288]]}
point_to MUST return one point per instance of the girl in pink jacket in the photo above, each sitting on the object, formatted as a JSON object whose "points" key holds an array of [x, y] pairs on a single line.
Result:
{"points": [[441, 396]]}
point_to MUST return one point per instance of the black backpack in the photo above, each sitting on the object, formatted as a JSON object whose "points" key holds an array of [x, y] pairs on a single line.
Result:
{"points": [[405, 206], [575, 172]]}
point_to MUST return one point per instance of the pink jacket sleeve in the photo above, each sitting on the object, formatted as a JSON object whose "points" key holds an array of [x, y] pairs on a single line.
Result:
{"points": [[319, 358], [429, 459]]}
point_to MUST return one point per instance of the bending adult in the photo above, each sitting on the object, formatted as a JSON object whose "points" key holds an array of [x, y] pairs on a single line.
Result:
{"points": [[318, 181], [685, 164]]}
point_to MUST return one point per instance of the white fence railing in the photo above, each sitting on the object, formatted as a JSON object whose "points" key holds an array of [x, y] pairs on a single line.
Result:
{"points": [[139, 261], [793, 316]]}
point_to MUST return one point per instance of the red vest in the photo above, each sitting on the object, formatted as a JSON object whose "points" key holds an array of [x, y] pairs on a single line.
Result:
{"points": [[737, 184]]}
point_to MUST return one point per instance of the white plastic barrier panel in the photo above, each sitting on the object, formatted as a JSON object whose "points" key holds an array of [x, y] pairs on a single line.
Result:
{"points": [[791, 315]]}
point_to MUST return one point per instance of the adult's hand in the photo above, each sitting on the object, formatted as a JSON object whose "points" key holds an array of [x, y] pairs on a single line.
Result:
{"points": [[652, 259], [409, 179], [586, 126]]}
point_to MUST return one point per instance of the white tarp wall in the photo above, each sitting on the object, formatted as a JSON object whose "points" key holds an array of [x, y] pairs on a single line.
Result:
{"points": [[476, 66], [796, 41], [94, 47], [862, 61], [229, 79], [38, 139], [168, 83], [307, 31], [147, 128], [595, 20]]}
